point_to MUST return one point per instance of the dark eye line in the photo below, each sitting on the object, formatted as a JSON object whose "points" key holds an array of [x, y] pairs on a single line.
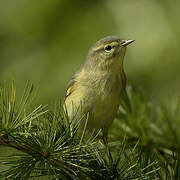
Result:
{"points": [[102, 49], [111, 46]]}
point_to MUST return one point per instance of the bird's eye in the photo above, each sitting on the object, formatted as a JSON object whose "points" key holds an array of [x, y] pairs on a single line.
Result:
{"points": [[107, 48]]}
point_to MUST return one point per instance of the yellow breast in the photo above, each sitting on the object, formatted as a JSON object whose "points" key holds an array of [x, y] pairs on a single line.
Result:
{"points": [[101, 99]]}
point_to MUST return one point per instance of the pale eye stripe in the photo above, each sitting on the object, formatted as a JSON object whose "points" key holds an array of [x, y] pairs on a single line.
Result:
{"points": [[101, 47], [98, 48]]}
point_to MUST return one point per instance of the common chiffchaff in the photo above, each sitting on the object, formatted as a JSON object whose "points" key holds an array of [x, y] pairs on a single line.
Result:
{"points": [[97, 87]]}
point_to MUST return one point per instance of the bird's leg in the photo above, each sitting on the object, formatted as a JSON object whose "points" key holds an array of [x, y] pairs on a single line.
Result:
{"points": [[105, 133]]}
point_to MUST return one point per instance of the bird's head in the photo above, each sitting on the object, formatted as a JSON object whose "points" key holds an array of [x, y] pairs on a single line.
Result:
{"points": [[108, 52]]}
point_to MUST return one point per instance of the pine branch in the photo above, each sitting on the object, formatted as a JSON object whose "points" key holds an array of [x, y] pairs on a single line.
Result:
{"points": [[150, 124], [10, 143], [49, 148]]}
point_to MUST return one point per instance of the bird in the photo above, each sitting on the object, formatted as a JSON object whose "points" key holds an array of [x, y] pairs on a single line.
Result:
{"points": [[97, 87]]}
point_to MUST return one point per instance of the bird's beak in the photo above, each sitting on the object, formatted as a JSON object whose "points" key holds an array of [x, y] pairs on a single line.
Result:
{"points": [[126, 42]]}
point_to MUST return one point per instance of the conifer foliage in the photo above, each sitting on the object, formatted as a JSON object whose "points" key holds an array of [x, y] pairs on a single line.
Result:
{"points": [[143, 141]]}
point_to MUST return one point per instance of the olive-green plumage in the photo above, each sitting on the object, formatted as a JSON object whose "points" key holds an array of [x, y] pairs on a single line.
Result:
{"points": [[97, 87]]}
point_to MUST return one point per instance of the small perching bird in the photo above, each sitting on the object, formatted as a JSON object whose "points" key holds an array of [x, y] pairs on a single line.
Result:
{"points": [[97, 87]]}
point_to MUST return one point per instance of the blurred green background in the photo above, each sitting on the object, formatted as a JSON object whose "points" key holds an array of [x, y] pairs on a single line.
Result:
{"points": [[46, 41]]}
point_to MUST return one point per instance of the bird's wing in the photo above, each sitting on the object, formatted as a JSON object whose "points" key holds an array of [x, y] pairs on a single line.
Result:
{"points": [[70, 87], [72, 83]]}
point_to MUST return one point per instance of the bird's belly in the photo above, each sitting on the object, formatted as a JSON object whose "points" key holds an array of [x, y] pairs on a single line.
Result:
{"points": [[100, 105], [102, 110]]}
